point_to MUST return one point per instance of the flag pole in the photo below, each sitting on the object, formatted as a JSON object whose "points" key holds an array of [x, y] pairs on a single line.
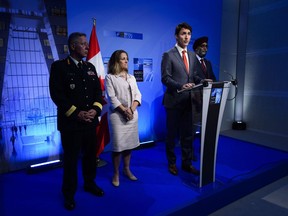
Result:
{"points": [[99, 161], [94, 21]]}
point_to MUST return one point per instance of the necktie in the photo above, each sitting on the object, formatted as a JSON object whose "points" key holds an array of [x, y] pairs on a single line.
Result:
{"points": [[203, 67], [185, 60], [80, 65]]}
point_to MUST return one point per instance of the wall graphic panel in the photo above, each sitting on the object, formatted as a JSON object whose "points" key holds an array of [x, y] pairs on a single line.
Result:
{"points": [[33, 33]]}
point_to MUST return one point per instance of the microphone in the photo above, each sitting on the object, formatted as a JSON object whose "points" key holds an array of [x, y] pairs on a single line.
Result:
{"points": [[205, 83], [233, 81]]}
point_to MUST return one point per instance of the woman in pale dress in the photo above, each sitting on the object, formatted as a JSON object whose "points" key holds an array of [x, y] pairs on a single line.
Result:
{"points": [[124, 97]]}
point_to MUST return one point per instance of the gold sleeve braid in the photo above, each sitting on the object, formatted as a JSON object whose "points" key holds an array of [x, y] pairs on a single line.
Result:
{"points": [[70, 111], [98, 105]]}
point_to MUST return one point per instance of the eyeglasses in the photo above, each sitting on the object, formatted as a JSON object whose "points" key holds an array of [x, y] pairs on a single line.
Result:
{"points": [[204, 45]]}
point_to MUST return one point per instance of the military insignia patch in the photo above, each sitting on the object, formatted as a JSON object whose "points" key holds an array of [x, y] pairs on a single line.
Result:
{"points": [[91, 73], [72, 86]]}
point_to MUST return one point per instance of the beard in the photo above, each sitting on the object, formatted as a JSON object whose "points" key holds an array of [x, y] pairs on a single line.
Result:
{"points": [[202, 54]]}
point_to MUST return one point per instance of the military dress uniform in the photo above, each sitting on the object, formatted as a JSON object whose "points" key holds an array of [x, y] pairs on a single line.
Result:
{"points": [[74, 89]]}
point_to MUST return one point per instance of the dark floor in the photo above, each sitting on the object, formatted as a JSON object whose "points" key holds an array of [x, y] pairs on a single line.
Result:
{"points": [[242, 168], [271, 200]]}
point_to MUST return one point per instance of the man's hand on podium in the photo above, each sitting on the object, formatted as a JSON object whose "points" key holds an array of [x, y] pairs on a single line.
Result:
{"points": [[188, 86]]}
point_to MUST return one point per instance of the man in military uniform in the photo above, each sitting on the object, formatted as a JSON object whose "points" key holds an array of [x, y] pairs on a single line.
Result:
{"points": [[75, 89]]}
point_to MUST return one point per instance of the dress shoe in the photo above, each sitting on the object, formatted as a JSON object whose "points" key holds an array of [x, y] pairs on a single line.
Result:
{"points": [[115, 181], [94, 189], [173, 169], [130, 175], [69, 204], [190, 169]]}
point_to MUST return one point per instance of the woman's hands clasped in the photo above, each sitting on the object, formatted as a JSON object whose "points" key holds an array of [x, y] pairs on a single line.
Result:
{"points": [[128, 114]]}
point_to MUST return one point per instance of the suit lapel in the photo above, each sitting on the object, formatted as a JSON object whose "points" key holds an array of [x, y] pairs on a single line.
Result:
{"points": [[179, 58], [192, 58]]}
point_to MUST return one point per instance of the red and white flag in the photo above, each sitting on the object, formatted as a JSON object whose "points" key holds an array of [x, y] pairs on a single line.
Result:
{"points": [[94, 56]]}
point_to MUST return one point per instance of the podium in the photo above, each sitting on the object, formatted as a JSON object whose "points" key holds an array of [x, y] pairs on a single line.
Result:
{"points": [[213, 96], [213, 104]]}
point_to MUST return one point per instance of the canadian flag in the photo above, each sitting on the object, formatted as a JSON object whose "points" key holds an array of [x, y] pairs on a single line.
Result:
{"points": [[94, 56]]}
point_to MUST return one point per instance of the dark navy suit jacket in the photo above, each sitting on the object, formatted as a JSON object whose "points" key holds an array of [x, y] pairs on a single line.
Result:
{"points": [[174, 76], [199, 73]]}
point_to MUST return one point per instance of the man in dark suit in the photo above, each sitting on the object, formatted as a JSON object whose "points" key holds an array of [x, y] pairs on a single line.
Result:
{"points": [[203, 73], [75, 89], [204, 70], [175, 75]]}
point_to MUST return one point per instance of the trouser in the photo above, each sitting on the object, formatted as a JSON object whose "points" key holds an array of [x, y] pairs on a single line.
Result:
{"points": [[74, 142], [179, 122]]}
